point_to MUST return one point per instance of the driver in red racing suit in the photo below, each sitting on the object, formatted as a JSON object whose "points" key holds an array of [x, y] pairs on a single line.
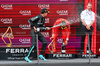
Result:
{"points": [[64, 26]]}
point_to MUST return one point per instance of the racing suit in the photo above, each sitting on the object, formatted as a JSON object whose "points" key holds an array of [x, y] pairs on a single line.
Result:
{"points": [[38, 22], [65, 32]]}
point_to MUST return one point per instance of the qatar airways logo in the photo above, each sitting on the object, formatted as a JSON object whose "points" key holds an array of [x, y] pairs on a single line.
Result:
{"points": [[47, 20], [6, 6], [25, 40], [47, 6], [25, 12], [59, 40], [62, 12], [6, 20], [25, 26], [45, 34]]}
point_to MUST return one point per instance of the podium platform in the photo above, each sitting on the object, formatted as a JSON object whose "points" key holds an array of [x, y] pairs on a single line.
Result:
{"points": [[68, 55], [86, 56]]}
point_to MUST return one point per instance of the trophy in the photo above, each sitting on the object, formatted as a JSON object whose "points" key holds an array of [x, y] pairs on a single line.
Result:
{"points": [[9, 36]]}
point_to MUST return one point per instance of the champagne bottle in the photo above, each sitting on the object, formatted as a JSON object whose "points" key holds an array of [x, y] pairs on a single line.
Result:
{"points": [[63, 49]]}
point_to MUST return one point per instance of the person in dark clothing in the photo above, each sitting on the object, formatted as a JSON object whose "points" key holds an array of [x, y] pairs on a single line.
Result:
{"points": [[37, 23]]}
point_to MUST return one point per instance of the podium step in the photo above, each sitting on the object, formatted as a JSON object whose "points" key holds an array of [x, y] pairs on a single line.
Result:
{"points": [[86, 56], [57, 56], [60, 55]]}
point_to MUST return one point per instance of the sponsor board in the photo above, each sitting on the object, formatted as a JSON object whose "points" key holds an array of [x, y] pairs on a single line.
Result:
{"points": [[87, 56], [57, 56], [16, 53]]}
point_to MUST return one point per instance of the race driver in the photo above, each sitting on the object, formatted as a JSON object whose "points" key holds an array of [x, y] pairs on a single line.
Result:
{"points": [[64, 26]]}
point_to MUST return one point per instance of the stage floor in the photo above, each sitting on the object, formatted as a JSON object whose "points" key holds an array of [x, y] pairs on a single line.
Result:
{"points": [[50, 61]]}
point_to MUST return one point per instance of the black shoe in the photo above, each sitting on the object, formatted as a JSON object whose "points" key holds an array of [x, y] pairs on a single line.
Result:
{"points": [[91, 52], [81, 52]]}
